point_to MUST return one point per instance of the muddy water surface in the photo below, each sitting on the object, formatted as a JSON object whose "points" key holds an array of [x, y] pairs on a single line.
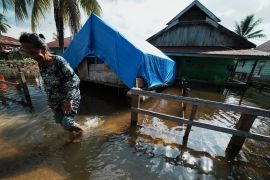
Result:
{"points": [[32, 146]]}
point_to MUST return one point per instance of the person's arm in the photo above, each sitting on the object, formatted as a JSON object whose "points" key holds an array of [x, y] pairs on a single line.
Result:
{"points": [[70, 85]]}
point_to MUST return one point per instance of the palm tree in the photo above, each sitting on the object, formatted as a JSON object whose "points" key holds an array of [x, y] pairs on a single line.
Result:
{"points": [[3, 25], [246, 28], [66, 12], [20, 7]]}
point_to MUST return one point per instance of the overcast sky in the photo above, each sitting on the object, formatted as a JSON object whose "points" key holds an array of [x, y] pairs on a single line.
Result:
{"points": [[143, 18]]}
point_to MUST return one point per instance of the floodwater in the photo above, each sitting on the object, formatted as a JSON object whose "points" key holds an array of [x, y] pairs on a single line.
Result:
{"points": [[32, 146]]}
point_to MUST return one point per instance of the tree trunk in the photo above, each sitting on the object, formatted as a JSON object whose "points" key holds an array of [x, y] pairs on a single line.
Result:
{"points": [[59, 21]]}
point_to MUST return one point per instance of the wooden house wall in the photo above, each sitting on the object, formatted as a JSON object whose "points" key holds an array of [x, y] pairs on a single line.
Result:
{"points": [[194, 35], [193, 13]]}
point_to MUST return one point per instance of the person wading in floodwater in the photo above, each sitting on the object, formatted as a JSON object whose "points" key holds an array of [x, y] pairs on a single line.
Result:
{"points": [[60, 82]]}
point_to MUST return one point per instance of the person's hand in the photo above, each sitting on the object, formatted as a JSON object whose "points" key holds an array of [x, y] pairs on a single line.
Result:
{"points": [[67, 107]]}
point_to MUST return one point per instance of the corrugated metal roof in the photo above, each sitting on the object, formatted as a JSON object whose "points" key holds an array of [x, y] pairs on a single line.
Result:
{"points": [[55, 44], [264, 47], [216, 52], [188, 49], [252, 53], [6, 40]]}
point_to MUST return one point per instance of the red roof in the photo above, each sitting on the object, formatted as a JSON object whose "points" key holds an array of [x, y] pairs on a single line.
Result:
{"points": [[55, 44], [6, 40]]}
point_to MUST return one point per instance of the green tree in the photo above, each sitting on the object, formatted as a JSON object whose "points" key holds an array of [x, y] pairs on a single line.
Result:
{"points": [[66, 12], [3, 24], [20, 7], [247, 28]]}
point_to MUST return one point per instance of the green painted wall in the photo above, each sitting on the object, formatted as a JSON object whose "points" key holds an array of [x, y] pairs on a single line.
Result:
{"points": [[265, 74], [246, 67], [212, 69]]}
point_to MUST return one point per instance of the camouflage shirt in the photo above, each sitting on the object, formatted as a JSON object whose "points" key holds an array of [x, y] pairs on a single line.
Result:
{"points": [[59, 81]]}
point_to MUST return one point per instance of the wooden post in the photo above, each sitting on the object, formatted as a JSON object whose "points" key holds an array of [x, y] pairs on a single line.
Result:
{"points": [[248, 82], [192, 117], [140, 83], [135, 103], [235, 67], [25, 89], [226, 92], [184, 93], [38, 80], [252, 70], [244, 123], [242, 95], [261, 87]]}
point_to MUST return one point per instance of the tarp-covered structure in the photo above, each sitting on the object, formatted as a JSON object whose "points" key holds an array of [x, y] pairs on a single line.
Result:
{"points": [[127, 57]]}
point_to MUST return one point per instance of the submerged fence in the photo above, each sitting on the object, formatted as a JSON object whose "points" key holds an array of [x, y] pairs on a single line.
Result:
{"points": [[21, 86], [240, 132]]}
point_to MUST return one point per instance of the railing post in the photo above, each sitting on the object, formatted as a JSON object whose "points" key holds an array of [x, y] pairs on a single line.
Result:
{"points": [[244, 123], [25, 89], [242, 95], [135, 103], [184, 90], [188, 129]]}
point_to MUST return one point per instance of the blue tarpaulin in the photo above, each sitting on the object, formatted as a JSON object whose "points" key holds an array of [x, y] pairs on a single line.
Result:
{"points": [[127, 57]]}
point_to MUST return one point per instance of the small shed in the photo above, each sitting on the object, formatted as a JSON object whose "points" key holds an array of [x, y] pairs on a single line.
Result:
{"points": [[106, 56], [195, 30]]}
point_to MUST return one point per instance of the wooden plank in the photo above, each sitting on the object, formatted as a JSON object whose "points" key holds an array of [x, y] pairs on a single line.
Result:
{"points": [[203, 125], [206, 103], [244, 124], [140, 83]]}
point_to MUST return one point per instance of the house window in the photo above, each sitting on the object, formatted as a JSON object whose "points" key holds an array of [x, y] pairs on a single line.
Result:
{"points": [[260, 67], [243, 63]]}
